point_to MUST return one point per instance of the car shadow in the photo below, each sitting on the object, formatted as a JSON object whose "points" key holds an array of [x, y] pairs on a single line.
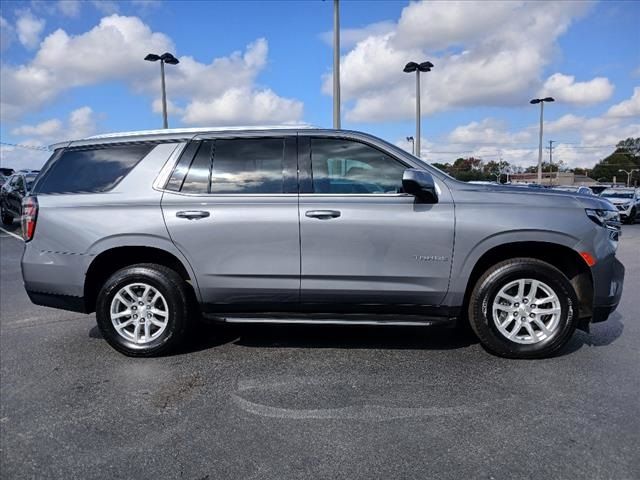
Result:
{"points": [[600, 335], [210, 335]]}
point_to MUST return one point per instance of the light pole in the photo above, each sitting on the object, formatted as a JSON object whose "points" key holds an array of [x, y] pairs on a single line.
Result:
{"points": [[410, 68], [336, 64], [551, 142], [541, 102], [629, 174], [413, 145], [171, 60]]}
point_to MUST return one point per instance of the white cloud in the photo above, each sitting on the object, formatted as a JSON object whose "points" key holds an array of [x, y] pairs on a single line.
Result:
{"points": [[565, 89], [239, 105], [172, 108], [81, 123], [627, 108], [488, 131], [351, 36], [114, 50], [485, 53], [69, 8], [581, 141], [106, 7], [19, 158], [29, 29], [44, 129], [7, 34]]}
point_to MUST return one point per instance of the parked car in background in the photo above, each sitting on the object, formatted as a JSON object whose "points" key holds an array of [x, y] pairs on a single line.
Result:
{"points": [[582, 190], [626, 200], [13, 191], [304, 225], [598, 189]]}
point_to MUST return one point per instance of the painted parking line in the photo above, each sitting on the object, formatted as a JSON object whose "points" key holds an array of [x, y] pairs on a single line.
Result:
{"points": [[11, 233]]}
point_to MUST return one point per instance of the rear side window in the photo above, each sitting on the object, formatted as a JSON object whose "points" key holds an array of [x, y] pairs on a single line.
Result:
{"points": [[248, 166], [237, 165], [91, 170], [197, 180]]}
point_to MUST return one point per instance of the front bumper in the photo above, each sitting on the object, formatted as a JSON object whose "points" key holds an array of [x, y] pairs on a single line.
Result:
{"points": [[608, 281]]}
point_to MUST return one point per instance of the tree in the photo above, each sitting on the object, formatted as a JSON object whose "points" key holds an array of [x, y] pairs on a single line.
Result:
{"points": [[631, 145], [625, 157]]}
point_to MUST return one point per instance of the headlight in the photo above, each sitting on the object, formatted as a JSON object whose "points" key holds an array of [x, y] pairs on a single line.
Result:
{"points": [[605, 218]]}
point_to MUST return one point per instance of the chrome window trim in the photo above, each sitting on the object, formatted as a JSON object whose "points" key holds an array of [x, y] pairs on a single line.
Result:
{"points": [[229, 195], [165, 172]]}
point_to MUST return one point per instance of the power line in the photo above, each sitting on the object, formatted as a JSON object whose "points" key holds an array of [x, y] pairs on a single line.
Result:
{"points": [[28, 147]]}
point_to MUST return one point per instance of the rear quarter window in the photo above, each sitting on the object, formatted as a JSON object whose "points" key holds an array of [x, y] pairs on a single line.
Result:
{"points": [[91, 170]]}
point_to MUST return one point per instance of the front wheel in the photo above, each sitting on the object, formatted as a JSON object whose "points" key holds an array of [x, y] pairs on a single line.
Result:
{"points": [[143, 310], [523, 308]]}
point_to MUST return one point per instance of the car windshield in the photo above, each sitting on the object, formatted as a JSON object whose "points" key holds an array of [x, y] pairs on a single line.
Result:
{"points": [[617, 194]]}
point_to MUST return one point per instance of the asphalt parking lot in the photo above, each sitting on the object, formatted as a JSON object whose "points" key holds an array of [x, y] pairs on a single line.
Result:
{"points": [[314, 402]]}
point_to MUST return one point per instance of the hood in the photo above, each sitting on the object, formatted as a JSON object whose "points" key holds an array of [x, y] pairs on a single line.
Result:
{"points": [[540, 195], [618, 201]]}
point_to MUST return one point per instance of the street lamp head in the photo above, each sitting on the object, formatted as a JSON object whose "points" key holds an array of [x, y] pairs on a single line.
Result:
{"points": [[539, 100], [409, 139], [170, 59], [411, 67], [425, 66], [152, 57]]}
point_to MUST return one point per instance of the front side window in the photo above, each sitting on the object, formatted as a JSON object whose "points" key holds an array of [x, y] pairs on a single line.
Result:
{"points": [[342, 166], [91, 170]]}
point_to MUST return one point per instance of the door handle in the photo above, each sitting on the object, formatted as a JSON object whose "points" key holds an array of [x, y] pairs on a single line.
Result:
{"points": [[192, 214], [322, 214]]}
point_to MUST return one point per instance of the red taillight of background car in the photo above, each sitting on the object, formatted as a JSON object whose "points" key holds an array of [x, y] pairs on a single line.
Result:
{"points": [[29, 217]]}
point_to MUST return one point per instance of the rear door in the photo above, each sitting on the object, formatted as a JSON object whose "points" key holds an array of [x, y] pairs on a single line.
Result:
{"points": [[231, 207], [366, 246]]}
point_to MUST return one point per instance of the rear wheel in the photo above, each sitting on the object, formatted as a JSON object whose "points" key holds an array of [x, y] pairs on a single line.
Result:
{"points": [[632, 217], [143, 310], [7, 219], [523, 308]]}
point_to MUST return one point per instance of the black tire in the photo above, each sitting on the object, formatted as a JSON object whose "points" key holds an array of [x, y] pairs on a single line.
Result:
{"points": [[6, 218], [498, 276], [632, 217], [176, 294]]}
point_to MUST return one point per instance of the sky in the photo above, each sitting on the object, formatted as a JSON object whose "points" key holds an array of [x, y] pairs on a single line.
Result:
{"points": [[72, 68]]}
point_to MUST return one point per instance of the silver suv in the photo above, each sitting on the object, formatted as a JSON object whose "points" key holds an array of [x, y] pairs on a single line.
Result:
{"points": [[151, 230]]}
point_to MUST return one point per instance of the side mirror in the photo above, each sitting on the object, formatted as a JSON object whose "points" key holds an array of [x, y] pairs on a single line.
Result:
{"points": [[420, 184]]}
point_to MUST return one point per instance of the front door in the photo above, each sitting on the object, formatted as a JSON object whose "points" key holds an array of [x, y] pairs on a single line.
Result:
{"points": [[366, 246], [231, 207]]}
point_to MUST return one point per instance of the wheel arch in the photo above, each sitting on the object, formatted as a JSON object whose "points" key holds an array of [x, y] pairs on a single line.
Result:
{"points": [[561, 256], [112, 259]]}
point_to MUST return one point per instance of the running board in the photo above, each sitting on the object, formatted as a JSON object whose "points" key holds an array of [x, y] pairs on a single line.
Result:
{"points": [[413, 322]]}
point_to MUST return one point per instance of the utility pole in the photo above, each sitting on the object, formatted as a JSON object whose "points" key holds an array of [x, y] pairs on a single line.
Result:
{"points": [[336, 64]]}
